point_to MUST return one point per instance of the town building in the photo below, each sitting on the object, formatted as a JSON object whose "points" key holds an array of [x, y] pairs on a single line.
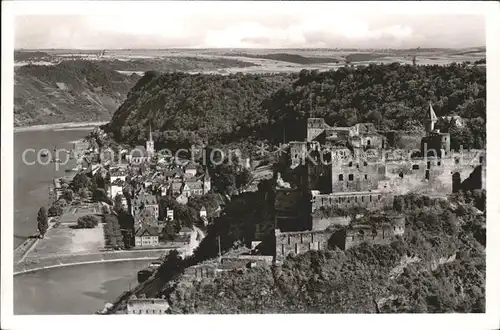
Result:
{"points": [[203, 215], [116, 188], [191, 186], [147, 236], [142, 155], [190, 170], [147, 306], [170, 215], [145, 202], [138, 155]]}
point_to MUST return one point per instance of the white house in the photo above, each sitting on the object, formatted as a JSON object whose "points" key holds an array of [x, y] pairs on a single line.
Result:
{"points": [[190, 170], [147, 306], [203, 215], [147, 236], [115, 190], [170, 215]]}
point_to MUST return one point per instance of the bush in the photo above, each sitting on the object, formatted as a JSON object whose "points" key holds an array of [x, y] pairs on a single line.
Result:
{"points": [[88, 221], [112, 232], [68, 195], [55, 210], [61, 202]]}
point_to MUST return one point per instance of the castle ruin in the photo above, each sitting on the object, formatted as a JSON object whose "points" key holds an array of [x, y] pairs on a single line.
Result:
{"points": [[355, 167]]}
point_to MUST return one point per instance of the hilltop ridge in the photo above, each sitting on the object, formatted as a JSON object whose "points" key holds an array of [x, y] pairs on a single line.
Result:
{"points": [[67, 92]]}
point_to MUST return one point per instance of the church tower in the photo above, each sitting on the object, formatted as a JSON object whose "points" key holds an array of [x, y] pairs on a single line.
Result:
{"points": [[150, 144], [431, 120]]}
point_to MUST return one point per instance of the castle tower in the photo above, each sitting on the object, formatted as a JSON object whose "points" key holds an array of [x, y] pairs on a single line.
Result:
{"points": [[150, 144], [431, 120]]}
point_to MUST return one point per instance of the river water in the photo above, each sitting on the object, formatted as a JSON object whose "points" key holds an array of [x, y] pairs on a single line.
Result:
{"points": [[31, 182], [79, 289]]}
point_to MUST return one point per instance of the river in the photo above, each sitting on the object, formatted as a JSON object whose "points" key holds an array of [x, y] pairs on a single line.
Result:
{"points": [[31, 182], [67, 290], [81, 289]]}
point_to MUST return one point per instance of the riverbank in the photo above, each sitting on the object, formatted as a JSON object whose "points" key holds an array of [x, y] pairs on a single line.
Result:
{"points": [[59, 126], [33, 265], [66, 245]]}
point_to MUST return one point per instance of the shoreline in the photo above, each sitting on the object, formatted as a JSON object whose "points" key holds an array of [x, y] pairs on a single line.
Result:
{"points": [[55, 126], [33, 270], [56, 261]]}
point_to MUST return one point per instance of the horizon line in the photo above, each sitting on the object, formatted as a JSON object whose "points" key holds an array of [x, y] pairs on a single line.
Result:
{"points": [[258, 48]]}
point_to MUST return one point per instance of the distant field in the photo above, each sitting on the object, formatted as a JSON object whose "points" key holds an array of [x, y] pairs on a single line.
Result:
{"points": [[292, 58]]}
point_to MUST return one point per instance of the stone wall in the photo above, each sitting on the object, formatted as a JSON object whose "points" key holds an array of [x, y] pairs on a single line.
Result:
{"points": [[344, 238], [357, 175], [315, 126], [201, 271], [434, 176], [365, 199], [244, 261], [384, 234], [300, 242]]}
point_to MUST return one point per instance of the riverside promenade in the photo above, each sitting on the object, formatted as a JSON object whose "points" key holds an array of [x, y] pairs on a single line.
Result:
{"points": [[66, 245]]}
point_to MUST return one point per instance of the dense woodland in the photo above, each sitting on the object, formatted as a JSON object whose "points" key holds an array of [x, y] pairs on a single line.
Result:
{"points": [[184, 109]]}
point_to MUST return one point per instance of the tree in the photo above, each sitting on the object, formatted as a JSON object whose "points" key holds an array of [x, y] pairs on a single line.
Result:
{"points": [[243, 178], [168, 232], [42, 220], [171, 266], [224, 178], [85, 193], [118, 203], [80, 181], [55, 210], [61, 202], [68, 195], [99, 195], [87, 221]]}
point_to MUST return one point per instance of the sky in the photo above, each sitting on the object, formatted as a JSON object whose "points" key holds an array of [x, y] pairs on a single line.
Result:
{"points": [[245, 25]]}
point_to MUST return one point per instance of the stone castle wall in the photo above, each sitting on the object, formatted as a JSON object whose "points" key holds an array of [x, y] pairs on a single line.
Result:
{"points": [[364, 199], [345, 238], [357, 176], [300, 242]]}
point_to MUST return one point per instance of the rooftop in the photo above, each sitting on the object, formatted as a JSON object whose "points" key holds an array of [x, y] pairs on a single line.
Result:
{"points": [[147, 231]]}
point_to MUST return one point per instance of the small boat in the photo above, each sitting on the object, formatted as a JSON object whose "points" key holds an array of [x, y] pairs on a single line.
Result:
{"points": [[57, 160]]}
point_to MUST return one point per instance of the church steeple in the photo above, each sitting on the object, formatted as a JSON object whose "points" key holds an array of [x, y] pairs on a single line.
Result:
{"points": [[431, 120], [150, 144]]}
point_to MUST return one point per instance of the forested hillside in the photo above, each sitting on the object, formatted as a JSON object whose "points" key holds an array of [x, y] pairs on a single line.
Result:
{"points": [[69, 91], [274, 107], [181, 106]]}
